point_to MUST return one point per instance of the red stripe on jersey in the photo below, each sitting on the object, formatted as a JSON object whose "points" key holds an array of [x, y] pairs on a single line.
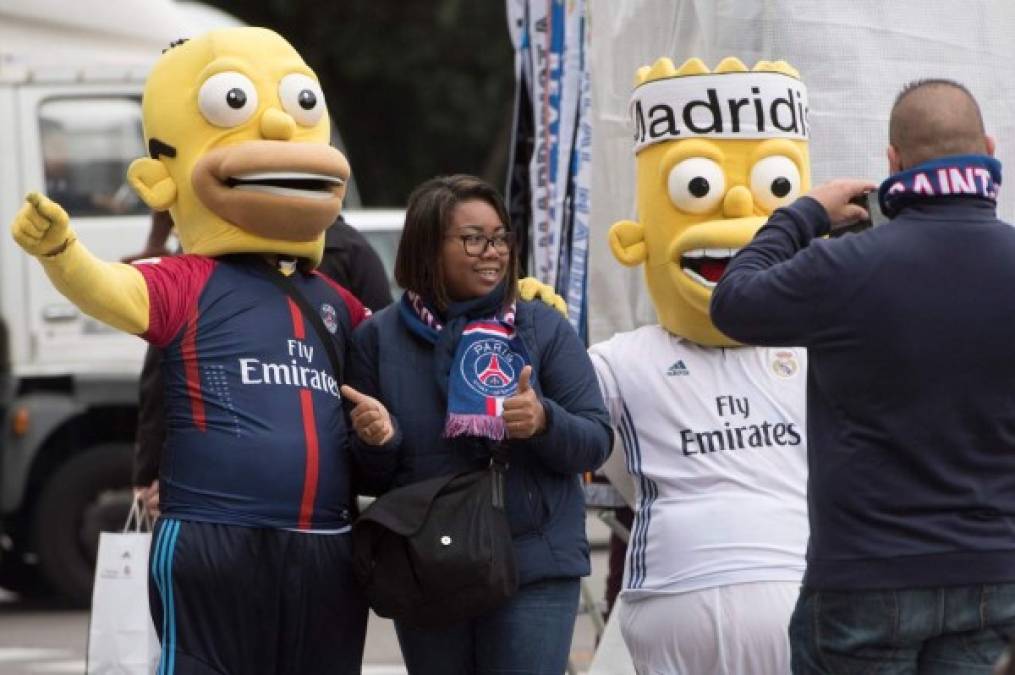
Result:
{"points": [[299, 332], [491, 406], [188, 349], [310, 473], [309, 432]]}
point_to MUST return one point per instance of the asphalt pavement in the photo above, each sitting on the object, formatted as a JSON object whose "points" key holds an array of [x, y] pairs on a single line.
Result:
{"points": [[43, 637]]}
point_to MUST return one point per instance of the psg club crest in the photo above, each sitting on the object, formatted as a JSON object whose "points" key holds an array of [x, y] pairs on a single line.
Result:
{"points": [[490, 368], [330, 318]]}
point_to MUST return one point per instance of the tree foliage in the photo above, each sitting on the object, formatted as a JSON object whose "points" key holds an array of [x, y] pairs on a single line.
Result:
{"points": [[415, 87]]}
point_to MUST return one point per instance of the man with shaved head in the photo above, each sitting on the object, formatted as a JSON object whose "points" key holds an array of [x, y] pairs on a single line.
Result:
{"points": [[935, 118], [910, 328]]}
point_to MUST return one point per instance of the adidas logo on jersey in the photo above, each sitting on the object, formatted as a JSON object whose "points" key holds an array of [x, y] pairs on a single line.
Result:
{"points": [[677, 368]]}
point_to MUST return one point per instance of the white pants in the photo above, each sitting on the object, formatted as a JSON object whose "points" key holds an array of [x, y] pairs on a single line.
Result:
{"points": [[741, 629]]}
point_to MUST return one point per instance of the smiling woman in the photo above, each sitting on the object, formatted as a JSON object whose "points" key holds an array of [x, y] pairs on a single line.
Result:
{"points": [[461, 368], [434, 258], [476, 250]]}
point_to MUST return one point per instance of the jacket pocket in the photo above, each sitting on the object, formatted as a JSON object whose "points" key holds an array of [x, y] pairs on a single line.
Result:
{"points": [[525, 505]]}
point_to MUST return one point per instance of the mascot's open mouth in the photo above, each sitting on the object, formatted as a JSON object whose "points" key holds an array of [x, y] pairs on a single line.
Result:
{"points": [[706, 265], [278, 190], [287, 183]]}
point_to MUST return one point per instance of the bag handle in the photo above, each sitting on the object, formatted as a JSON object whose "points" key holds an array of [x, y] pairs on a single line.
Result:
{"points": [[286, 285], [138, 517]]}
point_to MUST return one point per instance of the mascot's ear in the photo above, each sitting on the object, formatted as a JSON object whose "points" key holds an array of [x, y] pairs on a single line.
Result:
{"points": [[627, 241], [152, 183]]}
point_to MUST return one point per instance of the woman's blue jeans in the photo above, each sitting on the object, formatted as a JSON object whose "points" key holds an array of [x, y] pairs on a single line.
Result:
{"points": [[955, 630], [529, 635]]}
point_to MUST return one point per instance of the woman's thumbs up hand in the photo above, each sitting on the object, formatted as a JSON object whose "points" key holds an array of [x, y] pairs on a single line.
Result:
{"points": [[524, 414]]}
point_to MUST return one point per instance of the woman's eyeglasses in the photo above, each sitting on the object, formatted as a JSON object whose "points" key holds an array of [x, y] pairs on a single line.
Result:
{"points": [[475, 244]]}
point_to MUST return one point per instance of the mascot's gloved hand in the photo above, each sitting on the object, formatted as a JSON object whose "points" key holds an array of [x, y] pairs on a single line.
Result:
{"points": [[531, 288], [113, 293], [41, 226]]}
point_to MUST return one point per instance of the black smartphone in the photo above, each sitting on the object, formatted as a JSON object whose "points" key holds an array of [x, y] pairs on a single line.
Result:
{"points": [[875, 217]]}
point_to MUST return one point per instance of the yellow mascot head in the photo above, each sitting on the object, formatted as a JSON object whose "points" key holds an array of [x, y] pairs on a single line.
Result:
{"points": [[717, 152], [238, 140]]}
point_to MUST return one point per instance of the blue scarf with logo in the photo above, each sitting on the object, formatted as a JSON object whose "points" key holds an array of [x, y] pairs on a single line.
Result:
{"points": [[478, 358], [976, 176]]}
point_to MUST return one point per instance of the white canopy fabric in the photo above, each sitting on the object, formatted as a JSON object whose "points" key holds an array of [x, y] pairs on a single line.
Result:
{"points": [[94, 33], [854, 58]]}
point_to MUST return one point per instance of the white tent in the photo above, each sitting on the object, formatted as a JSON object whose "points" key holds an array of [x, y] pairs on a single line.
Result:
{"points": [[97, 33]]}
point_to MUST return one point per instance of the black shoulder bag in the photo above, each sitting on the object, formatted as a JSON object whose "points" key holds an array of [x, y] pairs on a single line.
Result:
{"points": [[438, 551]]}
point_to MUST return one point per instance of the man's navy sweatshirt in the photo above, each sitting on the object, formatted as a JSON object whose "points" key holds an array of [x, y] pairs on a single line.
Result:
{"points": [[910, 331]]}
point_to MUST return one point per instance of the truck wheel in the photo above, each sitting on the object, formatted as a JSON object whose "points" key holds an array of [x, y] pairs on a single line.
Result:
{"points": [[18, 577], [88, 494]]}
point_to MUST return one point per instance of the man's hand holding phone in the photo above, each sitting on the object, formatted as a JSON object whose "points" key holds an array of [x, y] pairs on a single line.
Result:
{"points": [[868, 201], [837, 197]]}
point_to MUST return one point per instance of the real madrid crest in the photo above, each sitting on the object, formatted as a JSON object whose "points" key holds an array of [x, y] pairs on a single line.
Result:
{"points": [[784, 363]]}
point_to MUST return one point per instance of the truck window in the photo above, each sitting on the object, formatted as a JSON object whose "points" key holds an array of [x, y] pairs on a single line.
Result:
{"points": [[87, 145], [385, 242]]}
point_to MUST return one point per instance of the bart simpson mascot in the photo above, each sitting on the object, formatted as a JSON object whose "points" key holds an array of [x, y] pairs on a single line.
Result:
{"points": [[250, 566], [714, 432]]}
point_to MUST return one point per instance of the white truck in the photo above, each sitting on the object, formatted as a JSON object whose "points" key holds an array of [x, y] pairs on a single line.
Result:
{"points": [[71, 76]]}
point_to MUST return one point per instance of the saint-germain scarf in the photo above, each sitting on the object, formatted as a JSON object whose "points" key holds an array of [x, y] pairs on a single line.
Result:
{"points": [[478, 358], [976, 176]]}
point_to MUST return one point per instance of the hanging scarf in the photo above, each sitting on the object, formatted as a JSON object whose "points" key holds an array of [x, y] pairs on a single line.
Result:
{"points": [[478, 358], [977, 176]]}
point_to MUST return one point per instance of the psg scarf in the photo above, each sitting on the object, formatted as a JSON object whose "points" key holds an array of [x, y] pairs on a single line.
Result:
{"points": [[478, 359], [953, 176]]}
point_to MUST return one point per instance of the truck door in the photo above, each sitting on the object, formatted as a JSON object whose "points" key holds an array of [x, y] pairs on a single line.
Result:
{"points": [[76, 143]]}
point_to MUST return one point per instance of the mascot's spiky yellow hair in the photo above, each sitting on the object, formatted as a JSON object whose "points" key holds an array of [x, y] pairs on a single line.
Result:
{"points": [[663, 68], [717, 151]]}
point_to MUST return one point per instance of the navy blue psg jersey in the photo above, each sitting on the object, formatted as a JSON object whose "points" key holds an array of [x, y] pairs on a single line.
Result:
{"points": [[255, 430]]}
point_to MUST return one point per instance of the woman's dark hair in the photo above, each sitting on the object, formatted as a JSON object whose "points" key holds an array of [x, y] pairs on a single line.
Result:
{"points": [[427, 219]]}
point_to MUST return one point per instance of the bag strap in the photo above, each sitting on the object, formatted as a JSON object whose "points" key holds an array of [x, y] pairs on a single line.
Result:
{"points": [[138, 517], [286, 285], [499, 455]]}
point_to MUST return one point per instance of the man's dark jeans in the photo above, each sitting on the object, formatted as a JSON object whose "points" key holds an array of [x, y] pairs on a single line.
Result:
{"points": [[931, 631]]}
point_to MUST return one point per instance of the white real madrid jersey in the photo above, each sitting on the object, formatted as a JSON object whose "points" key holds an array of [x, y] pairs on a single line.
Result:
{"points": [[715, 439]]}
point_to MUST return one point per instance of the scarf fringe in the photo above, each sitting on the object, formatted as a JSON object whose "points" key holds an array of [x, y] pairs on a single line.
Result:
{"points": [[475, 425]]}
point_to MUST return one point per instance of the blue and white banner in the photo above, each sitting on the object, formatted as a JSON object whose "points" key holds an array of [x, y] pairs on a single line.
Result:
{"points": [[574, 266], [551, 43]]}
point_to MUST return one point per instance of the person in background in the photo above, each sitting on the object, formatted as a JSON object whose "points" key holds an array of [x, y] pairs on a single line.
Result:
{"points": [[909, 329], [457, 366], [150, 433]]}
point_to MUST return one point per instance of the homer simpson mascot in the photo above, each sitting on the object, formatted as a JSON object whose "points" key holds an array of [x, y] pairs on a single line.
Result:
{"points": [[250, 564], [713, 432]]}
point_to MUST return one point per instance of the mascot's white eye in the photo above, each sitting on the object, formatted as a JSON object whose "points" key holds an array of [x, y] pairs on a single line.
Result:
{"points": [[696, 185], [775, 182], [227, 99], [302, 98]]}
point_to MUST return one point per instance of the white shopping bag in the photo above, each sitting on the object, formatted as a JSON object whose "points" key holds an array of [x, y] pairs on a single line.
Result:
{"points": [[121, 636], [612, 656]]}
